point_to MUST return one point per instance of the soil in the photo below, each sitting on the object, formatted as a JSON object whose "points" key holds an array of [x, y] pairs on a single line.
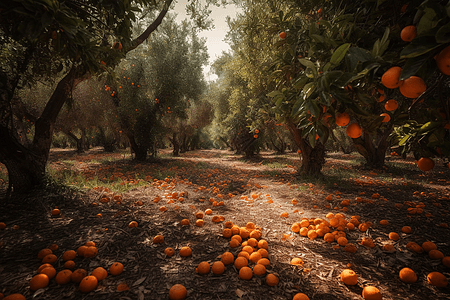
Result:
{"points": [[259, 190]]}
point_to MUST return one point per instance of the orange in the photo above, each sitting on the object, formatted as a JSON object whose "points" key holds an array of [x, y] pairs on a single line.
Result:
{"points": [[63, 277], [51, 258], [428, 246], [283, 35], [208, 211], [371, 293], [407, 275], [388, 248], [443, 61], [185, 222], [263, 244], [203, 268], [133, 224], [248, 249], [391, 78], [69, 255], [39, 281], [413, 87], [328, 237], [312, 234], [342, 120], [394, 236], [122, 287], [237, 237], [414, 247], [252, 242], [263, 252], [264, 261], [88, 283], [90, 251], [425, 164], [436, 254], [391, 105], [256, 234], [81, 250], [406, 229], [349, 277], [245, 273], [296, 261], [437, 279], [354, 130], [54, 247], [100, 273], [272, 280], [255, 256], [169, 251], [185, 251], [49, 271], [43, 266], [44, 252], [342, 241], [78, 275], [244, 254], [2, 225], [15, 297], [259, 270], [240, 262], [55, 212], [350, 248], [446, 261], [218, 268], [384, 222], [158, 239], [408, 33], [116, 269], [227, 258], [70, 264], [300, 296], [177, 292]]}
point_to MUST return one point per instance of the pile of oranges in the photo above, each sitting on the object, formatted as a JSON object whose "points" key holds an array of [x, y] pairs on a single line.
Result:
{"points": [[47, 271]]}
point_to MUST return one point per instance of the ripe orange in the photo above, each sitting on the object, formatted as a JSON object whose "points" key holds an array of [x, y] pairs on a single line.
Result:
{"points": [[51, 258], [63, 277], [169, 251], [158, 239], [283, 35], [408, 33], [350, 247], [116, 269], [90, 251], [185, 251], [413, 87], [54, 247], [49, 271], [218, 268], [272, 280], [394, 236], [264, 261], [436, 254], [255, 256], [263, 244], [296, 261], [44, 252], [133, 224], [69, 255], [227, 258], [203, 268], [443, 61], [437, 279], [406, 229], [342, 119], [39, 281], [446, 261], [43, 266], [55, 212], [371, 293], [88, 283], [428, 246], [245, 273], [300, 296], [391, 78], [259, 270], [100, 273], [391, 105], [177, 292], [425, 164], [78, 275], [240, 262], [199, 222], [354, 130], [80, 250], [185, 222], [407, 275], [15, 297], [386, 116], [2, 225], [122, 287], [349, 277], [70, 264]]}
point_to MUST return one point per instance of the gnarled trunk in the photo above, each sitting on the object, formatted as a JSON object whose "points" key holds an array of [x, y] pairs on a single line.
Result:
{"points": [[373, 149], [313, 159]]}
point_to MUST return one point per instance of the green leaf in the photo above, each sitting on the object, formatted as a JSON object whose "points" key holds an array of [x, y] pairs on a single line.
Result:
{"points": [[313, 108], [443, 34], [300, 83], [309, 64], [355, 56], [419, 46], [414, 64], [274, 93], [404, 140], [428, 127], [308, 89], [427, 21], [339, 54]]}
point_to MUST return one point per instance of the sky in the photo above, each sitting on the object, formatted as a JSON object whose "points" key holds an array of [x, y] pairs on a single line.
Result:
{"points": [[215, 37]]}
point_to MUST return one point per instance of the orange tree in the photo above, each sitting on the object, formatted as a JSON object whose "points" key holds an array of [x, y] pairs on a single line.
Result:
{"points": [[329, 73]]}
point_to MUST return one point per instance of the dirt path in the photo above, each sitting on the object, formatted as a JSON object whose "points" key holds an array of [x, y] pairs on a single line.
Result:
{"points": [[264, 191]]}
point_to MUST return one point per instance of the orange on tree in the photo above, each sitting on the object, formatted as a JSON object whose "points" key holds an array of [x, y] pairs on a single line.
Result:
{"points": [[391, 105], [408, 33], [443, 61], [413, 87], [386, 117], [425, 164], [342, 119], [354, 130], [391, 78], [177, 292], [283, 35]]}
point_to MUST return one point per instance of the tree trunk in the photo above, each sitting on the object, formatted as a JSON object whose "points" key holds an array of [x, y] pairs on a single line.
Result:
{"points": [[313, 159], [373, 152], [78, 141], [176, 145]]}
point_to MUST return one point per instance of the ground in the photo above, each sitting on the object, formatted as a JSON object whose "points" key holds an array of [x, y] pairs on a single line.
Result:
{"points": [[259, 190]]}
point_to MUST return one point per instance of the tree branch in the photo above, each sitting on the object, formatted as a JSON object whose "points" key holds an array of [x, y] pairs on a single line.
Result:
{"points": [[140, 39]]}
